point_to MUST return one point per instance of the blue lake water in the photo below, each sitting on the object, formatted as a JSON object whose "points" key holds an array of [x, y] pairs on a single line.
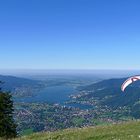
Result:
{"points": [[55, 94]]}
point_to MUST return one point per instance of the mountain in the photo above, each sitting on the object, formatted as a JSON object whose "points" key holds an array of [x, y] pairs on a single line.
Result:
{"points": [[109, 83], [108, 93], [124, 131], [11, 81], [20, 87]]}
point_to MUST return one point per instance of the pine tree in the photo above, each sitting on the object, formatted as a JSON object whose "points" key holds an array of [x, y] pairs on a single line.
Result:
{"points": [[7, 125]]}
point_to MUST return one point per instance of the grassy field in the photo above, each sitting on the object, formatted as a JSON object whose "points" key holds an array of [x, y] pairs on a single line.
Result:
{"points": [[125, 131]]}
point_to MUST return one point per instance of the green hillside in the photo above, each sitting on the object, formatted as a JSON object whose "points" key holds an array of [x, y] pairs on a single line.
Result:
{"points": [[126, 131]]}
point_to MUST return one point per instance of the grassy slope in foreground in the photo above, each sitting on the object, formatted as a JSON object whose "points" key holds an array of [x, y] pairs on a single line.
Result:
{"points": [[126, 131]]}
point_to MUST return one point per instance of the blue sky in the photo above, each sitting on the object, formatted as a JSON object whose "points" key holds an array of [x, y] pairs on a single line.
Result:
{"points": [[69, 34]]}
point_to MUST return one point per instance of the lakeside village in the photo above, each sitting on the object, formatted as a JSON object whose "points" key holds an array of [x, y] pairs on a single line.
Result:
{"points": [[38, 117]]}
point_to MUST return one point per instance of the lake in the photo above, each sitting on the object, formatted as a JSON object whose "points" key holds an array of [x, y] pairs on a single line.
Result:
{"points": [[54, 94]]}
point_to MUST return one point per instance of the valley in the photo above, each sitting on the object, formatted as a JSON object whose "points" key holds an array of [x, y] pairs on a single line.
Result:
{"points": [[56, 104]]}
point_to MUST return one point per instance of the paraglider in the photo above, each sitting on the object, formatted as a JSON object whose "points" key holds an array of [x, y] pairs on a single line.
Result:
{"points": [[129, 81]]}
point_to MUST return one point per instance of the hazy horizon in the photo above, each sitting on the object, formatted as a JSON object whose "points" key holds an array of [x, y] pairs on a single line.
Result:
{"points": [[60, 72]]}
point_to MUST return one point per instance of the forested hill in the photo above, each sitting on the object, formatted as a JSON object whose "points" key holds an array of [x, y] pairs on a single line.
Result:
{"points": [[110, 83], [108, 92], [10, 82]]}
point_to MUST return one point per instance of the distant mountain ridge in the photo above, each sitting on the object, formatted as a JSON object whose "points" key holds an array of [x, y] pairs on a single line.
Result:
{"points": [[10, 82], [110, 83], [109, 93], [20, 87]]}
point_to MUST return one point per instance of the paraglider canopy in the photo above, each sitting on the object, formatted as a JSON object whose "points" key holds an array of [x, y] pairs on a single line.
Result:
{"points": [[129, 81]]}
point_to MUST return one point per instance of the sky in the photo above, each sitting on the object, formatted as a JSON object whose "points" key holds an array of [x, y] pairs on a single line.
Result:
{"points": [[69, 34]]}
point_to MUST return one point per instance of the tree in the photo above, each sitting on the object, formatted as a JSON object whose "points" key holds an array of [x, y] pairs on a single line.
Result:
{"points": [[7, 125]]}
